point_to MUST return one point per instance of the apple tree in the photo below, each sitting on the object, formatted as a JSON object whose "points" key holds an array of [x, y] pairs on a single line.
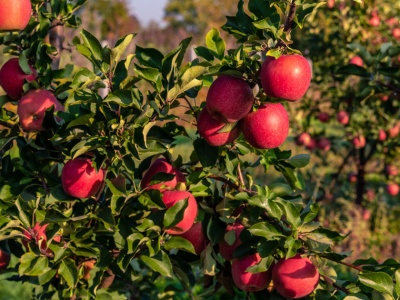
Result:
{"points": [[131, 187]]}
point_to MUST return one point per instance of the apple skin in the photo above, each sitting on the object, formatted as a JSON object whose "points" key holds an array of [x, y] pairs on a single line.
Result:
{"points": [[382, 135], [208, 128], [12, 78], [391, 170], [295, 277], [287, 77], [14, 14], [5, 258], [303, 139], [172, 197], [356, 60], [323, 117], [197, 237], [227, 250], [267, 127], [343, 117], [161, 165], [324, 144], [393, 189], [246, 281], [229, 99], [80, 179], [32, 107]]}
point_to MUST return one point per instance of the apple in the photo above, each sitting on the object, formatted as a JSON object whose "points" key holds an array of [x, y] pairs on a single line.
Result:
{"points": [[392, 21], [161, 165], [197, 237], [5, 257], [303, 139], [323, 117], [324, 144], [394, 131], [382, 135], [391, 170], [246, 281], [80, 179], [14, 14], [295, 277], [87, 266], [229, 99], [225, 249], [287, 77], [311, 145], [352, 177], [393, 189], [343, 117], [170, 198], [267, 127], [32, 107], [374, 21], [396, 33], [384, 98], [331, 4], [209, 129], [12, 78], [356, 60], [359, 141]]}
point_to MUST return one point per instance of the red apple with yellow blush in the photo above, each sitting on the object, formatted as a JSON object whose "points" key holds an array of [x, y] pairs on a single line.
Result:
{"points": [[14, 14]]}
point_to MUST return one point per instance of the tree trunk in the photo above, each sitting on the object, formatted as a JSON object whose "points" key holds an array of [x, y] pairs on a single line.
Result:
{"points": [[56, 36]]}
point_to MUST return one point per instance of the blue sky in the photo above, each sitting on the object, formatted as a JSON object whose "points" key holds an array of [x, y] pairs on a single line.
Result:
{"points": [[147, 10]]}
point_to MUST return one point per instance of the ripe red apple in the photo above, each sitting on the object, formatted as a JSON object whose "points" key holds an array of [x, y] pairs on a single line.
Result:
{"points": [[267, 127], [209, 128], [246, 281], [374, 21], [324, 144], [229, 99], [396, 33], [287, 77], [382, 135], [356, 60], [5, 258], [197, 237], [331, 4], [394, 131], [14, 14], [359, 141], [295, 277], [161, 165], [343, 117], [226, 250], [352, 177], [12, 78], [172, 197], [80, 179], [392, 21], [32, 107], [384, 98], [393, 189], [391, 170], [311, 145], [323, 117], [303, 139]]}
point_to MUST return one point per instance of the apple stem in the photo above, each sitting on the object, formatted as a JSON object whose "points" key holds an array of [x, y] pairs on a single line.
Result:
{"points": [[240, 175], [329, 281], [344, 263]]}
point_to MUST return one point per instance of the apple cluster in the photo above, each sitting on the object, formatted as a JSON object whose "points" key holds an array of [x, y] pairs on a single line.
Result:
{"points": [[229, 105]]}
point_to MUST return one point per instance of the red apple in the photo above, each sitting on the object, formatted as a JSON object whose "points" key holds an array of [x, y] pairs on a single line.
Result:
{"points": [[391, 170], [170, 198], [226, 250], [229, 99], [80, 179], [396, 33], [393, 189], [331, 4], [12, 78], [5, 258], [311, 145], [356, 60], [209, 129], [324, 144], [161, 165], [384, 98], [382, 135], [295, 277], [352, 177], [267, 127], [246, 281], [287, 77], [303, 139], [32, 107], [14, 14], [374, 21], [343, 117], [392, 21], [394, 131], [323, 117], [197, 237], [359, 141]]}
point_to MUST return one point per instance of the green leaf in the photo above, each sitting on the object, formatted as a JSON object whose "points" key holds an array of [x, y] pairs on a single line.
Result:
{"points": [[92, 44], [215, 43], [208, 155], [159, 263], [149, 57], [379, 281], [177, 242], [33, 265], [357, 296], [69, 271], [120, 47], [397, 278], [123, 98], [299, 161], [352, 69], [175, 213], [265, 230]]}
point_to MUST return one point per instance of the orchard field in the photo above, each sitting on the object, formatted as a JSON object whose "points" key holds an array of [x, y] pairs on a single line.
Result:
{"points": [[242, 150]]}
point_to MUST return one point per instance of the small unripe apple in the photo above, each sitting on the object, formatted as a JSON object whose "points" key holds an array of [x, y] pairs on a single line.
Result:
{"points": [[343, 117], [32, 108], [80, 179], [303, 139], [161, 165], [229, 99], [382, 135], [323, 117], [392, 170], [324, 144], [210, 129], [356, 60], [197, 237], [246, 281], [5, 258], [393, 189], [359, 141], [14, 14], [295, 277], [170, 198], [12, 78], [287, 77], [226, 250], [267, 127]]}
